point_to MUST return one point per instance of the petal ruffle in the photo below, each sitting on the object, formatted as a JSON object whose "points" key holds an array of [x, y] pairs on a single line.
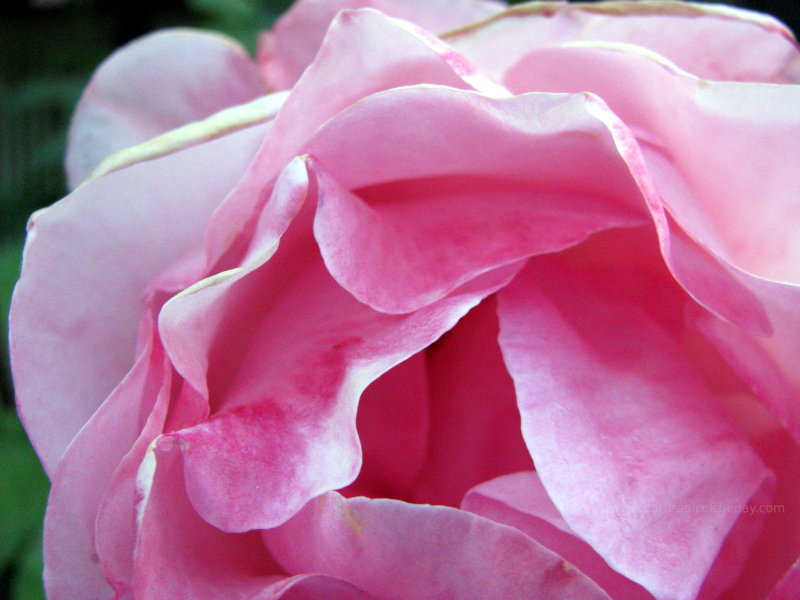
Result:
{"points": [[195, 74], [711, 41], [728, 233], [180, 556], [364, 52], [284, 371], [621, 429], [72, 567], [396, 551], [290, 46], [519, 500], [404, 188], [76, 307]]}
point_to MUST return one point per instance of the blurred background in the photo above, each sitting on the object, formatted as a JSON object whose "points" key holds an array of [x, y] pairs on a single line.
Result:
{"points": [[48, 50]]}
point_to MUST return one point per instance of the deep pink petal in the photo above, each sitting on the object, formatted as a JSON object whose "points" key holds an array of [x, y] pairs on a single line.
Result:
{"points": [[520, 500], [72, 567], [711, 41], [394, 426], [788, 587], [608, 400], [290, 46], [473, 412], [396, 550], [154, 84], [364, 52], [485, 208], [180, 556], [76, 308]]}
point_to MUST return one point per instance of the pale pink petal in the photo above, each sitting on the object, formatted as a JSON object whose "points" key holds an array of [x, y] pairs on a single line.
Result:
{"points": [[711, 41], [180, 556], [695, 137], [520, 500], [473, 412], [72, 567], [364, 52], [472, 187], [393, 423], [284, 353], [621, 429], [115, 524], [154, 84], [76, 308], [729, 235], [312, 587], [395, 550], [290, 46]]}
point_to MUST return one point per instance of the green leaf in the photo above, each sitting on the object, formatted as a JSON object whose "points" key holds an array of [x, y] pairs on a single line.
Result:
{"points": [[23, 489]]}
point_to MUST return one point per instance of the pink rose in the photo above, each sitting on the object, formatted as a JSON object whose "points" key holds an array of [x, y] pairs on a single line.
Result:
{"points": [[511, 312]]}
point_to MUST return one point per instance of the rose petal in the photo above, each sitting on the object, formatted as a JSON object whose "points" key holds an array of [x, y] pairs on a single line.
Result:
{"points": [[309, 587], [396, 550], [519, 500], [76, 308], [393, 423], [364, 52], [196, 74], [606, 397], [284, 371], [695, 135], [789, 585], [484, 209], [473, 412], [739, 259], [72, 568], [178, 555], [290, 46], [711, 41]]}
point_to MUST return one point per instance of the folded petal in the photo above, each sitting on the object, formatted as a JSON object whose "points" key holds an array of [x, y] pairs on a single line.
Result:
{"points": [[485, 209], [284, 353], [154, 84], [396, 550], [72, 567], [76, 308], [519, 500], [290, 46], [307, 587], [364, 52], [712, 41], [728, 235], [178, 555], [621, 428]]}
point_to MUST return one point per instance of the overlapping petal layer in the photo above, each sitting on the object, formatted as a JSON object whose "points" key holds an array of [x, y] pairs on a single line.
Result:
{"points": [[502, 179], [729, 232], [629, 443], [712, 41], [195, 74], [77, 306], [396, 550], [364, 52], [291, 45]]}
